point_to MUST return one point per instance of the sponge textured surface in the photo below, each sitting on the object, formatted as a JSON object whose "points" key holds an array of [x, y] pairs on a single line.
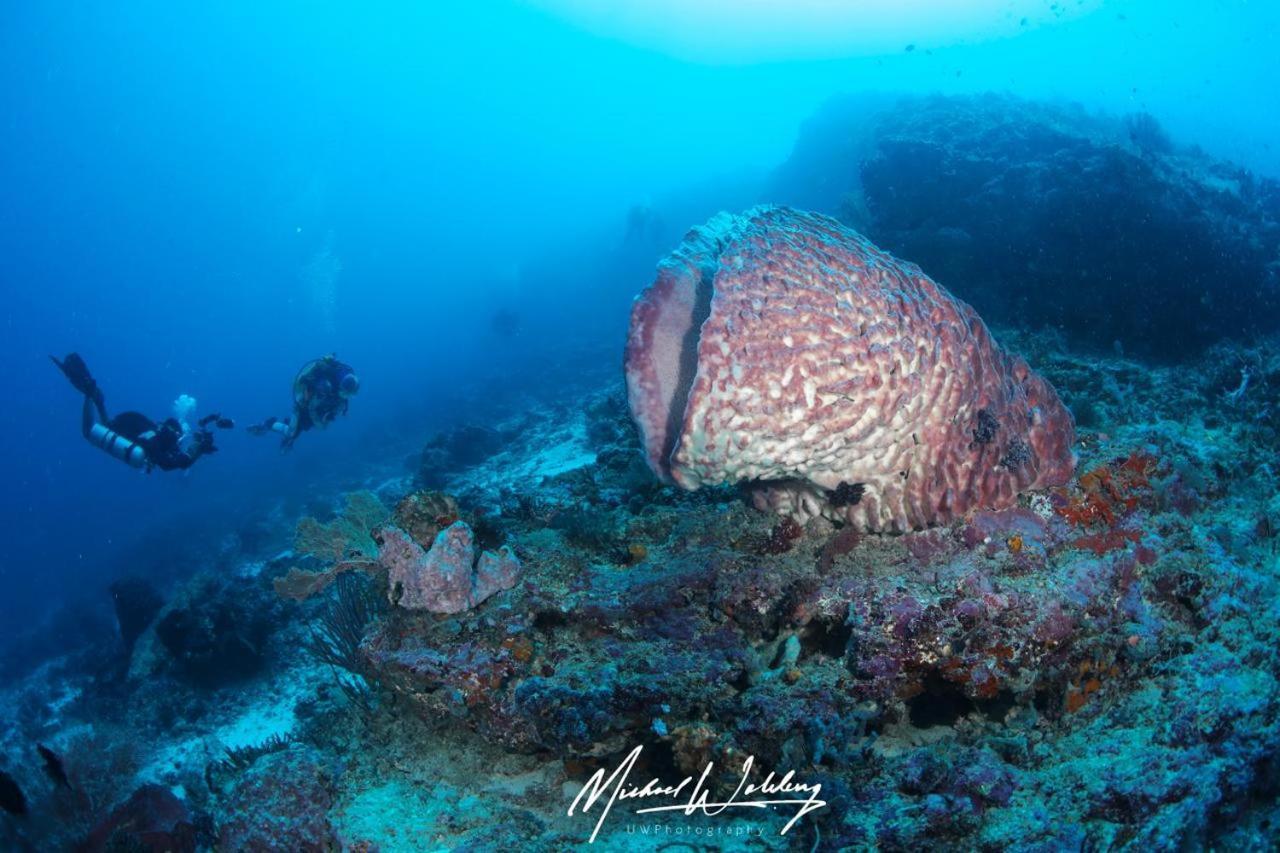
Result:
{"points": [[782, 349]]}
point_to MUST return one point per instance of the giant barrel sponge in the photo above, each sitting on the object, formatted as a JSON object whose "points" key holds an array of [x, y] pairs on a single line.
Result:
{"points": [[780, 349]]}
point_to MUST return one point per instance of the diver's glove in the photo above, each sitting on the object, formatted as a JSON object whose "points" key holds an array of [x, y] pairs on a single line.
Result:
{"points": [[204, 443], [219, 421]]}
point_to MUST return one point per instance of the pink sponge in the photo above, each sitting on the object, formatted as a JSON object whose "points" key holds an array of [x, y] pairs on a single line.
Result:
{"points": [[782, 349], [447, 578]]}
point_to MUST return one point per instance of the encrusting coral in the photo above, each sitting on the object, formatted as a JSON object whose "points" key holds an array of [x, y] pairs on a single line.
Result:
{"points": [[782, 349]]}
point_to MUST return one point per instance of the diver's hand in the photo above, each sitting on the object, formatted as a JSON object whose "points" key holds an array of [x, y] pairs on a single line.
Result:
{"points": [[219, 421]]}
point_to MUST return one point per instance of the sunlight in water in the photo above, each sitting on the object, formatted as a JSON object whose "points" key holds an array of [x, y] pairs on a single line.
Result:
{"points": [[320, 277], [759, 30]]}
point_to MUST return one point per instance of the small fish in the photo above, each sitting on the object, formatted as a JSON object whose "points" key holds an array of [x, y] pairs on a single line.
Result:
{"points": [[53, 766], [11, 797]]}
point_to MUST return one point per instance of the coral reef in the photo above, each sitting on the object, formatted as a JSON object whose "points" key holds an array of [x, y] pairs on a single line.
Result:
{"points": [[1084, 668], [1112, 223], [12, 799], [153, 818], [458, 449], [217, 636], [424, 514], [1015, 635], [782, 349], [136, 603], [281, 802]]}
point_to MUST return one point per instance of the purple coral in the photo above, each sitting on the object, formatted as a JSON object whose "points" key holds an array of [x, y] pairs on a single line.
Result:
{"points": [[447, 578]]}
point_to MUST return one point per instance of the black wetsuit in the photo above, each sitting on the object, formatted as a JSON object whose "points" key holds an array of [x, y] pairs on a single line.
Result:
{"points": [[160, 443], [163, 442]]}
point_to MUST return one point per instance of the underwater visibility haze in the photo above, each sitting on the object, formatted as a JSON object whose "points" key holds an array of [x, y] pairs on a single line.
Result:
{"points": [[428, 423]]}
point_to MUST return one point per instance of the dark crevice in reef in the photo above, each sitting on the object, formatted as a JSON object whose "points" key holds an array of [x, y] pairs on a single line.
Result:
{"points": [[688, 366], [1047, 702], [939, 704], [656, 761], [846, 494], [998, 708], [548, 621], [942, 703], [828, 637]]}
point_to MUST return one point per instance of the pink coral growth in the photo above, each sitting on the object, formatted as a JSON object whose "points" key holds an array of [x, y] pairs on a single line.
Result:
{"points": [[783, 349], [447, 578], [495, 571]]}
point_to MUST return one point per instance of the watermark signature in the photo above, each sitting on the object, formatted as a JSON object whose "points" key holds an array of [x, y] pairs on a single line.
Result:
{"points": [[785, 792]]}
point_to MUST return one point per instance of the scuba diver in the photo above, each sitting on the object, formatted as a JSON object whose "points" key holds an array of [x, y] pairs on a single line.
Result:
{"points": [[132, 437], [322, 391]]}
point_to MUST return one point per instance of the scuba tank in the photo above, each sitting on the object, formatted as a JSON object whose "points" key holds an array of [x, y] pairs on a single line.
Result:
{"points": [[127, 451], [281, 427]]}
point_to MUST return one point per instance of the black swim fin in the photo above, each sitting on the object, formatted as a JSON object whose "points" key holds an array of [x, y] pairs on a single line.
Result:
{"points": [[77, 372], [262, 428]]}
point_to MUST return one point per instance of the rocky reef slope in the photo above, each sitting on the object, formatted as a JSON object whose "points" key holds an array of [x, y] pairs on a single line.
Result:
{"points": [[1046, 215], [1092, 668]]}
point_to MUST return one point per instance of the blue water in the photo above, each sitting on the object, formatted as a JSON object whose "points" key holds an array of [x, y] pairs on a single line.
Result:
{"points": [[172, 172]]}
